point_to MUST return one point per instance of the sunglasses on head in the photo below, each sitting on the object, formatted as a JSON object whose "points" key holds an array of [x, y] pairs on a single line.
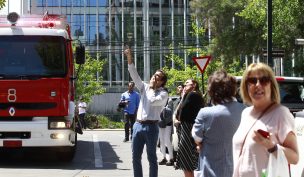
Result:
{"points": [[262, 80]]}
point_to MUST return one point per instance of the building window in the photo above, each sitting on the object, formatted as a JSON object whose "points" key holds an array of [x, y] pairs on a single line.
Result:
{"points": [[103, 34], [48, 3], [91, 29], [78, 3], [66, 3], [53, 3], [77, 25], [40, 3], [155, 21], [101, 3]]}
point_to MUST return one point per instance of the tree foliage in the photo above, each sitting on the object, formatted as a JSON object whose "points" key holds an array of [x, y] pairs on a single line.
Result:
{"points": [[232, 35], [288, 25], [2, 3], [179, 76], [180, 73], [88, 83], [287, 20], [239, 27]]}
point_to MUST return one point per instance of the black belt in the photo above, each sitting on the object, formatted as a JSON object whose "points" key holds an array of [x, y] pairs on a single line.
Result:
{"points": [[147, 121]]}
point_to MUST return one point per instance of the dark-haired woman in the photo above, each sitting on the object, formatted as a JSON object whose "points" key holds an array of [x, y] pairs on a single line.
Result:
{"points": [[215, 126], [190, 104]]}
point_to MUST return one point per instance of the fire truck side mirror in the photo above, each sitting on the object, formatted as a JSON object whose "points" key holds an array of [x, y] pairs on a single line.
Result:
{"points": [[80, 54]]}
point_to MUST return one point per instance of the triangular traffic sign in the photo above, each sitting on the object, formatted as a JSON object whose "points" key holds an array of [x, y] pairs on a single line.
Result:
{"points": [[201, 62]]}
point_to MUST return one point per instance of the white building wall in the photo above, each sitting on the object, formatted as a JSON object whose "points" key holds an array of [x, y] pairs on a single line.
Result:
{"points": [[12, 6]]}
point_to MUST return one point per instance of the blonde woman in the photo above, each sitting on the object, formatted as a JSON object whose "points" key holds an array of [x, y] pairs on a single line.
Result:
{"points": [[251, 149]]}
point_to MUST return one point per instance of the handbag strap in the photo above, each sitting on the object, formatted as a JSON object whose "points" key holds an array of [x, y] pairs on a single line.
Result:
{"points": [[177, 109], [253, 125], [164, 112]]}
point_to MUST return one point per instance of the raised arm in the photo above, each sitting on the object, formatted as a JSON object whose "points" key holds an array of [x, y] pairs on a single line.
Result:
{"points": [[132, 70], [128, 53]]}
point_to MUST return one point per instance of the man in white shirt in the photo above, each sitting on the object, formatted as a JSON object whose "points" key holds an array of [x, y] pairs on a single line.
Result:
{"points": [[82, 106], [153, 98]]}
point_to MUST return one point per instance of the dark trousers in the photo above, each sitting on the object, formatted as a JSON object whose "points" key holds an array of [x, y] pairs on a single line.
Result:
{"points": [[129, 120], [82, 121]]}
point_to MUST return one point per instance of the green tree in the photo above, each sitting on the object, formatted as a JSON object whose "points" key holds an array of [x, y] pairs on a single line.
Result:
{"points": [[179, 76], [287, 20], [240, 27], [232, 35], [288, 24], [180, 73], [2, 3], [87, 83]]}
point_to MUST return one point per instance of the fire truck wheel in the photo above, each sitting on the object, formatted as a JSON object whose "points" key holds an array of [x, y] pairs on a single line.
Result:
{"points": [[4, 154], [66, 154]]}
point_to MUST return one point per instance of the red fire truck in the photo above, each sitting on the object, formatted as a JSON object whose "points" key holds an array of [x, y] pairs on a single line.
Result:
{"points": [[37, 107]]}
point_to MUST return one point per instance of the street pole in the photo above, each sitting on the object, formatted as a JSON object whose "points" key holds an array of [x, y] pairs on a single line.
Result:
{"points": [[203, 90], [269, 36]]}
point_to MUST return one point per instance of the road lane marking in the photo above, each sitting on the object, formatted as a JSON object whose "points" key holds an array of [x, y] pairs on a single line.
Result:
{"points": [[97, 153]]}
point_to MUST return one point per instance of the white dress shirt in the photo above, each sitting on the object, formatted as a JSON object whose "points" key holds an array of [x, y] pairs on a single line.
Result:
{"points": [[151, 101]]}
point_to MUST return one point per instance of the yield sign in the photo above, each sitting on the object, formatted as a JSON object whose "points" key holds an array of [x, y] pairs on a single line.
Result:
{"points": [[201, 62]]}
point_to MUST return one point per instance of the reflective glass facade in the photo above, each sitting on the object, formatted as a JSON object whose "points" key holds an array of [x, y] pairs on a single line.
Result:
{"points": [[105, 26], [69, 3]]}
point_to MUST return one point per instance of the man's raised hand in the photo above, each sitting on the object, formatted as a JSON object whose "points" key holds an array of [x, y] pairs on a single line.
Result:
{"points": [[127, 52]]}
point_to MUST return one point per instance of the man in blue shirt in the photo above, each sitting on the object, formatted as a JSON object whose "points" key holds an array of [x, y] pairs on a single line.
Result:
{"points": [[130, 99]]}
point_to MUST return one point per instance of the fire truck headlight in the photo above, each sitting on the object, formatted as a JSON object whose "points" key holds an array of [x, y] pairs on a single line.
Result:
{"points": [[58, 125], [57, 136]]}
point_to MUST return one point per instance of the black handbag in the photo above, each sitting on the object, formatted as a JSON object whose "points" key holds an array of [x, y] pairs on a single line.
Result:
{"points": [[165, 116]]}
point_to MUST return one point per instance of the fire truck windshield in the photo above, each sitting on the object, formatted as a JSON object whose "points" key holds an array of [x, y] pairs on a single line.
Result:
{"points": [[26, 56]]}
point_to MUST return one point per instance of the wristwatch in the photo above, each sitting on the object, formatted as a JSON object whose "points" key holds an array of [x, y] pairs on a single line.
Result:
{"points": [[273, 149]]}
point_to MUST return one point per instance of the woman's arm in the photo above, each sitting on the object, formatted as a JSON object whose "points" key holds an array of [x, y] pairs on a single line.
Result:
{"points": [[290, 146], [287, 139], [198, 127], [198, 132]]}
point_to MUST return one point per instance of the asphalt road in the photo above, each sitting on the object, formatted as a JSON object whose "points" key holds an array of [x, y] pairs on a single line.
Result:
{"points": [[99, 153]]}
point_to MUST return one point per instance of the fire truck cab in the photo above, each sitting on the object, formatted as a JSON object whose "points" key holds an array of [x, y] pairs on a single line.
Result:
{"points": [[37, 107]]}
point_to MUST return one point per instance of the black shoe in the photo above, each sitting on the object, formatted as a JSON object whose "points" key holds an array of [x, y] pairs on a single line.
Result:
{"points": [[170, 163], [125, 140], [163, 162]]}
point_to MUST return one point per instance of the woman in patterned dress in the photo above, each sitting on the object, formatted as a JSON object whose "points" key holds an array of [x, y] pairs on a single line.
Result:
{"points": [[192, 102]]}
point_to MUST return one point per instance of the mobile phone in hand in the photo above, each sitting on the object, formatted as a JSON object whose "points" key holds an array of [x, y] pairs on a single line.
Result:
{"points": [[264, 133], [126, 46]]}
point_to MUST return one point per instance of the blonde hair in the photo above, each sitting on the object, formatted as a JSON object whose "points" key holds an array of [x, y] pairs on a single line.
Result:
{"points": [[266, 71]]}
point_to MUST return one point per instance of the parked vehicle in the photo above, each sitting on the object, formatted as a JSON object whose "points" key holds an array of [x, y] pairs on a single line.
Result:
{"points": [[291, 91], [298, 170], [37, 107]]}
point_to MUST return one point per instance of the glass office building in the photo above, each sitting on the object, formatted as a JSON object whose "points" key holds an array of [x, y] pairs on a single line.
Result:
{"points": [[152, 28]]}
